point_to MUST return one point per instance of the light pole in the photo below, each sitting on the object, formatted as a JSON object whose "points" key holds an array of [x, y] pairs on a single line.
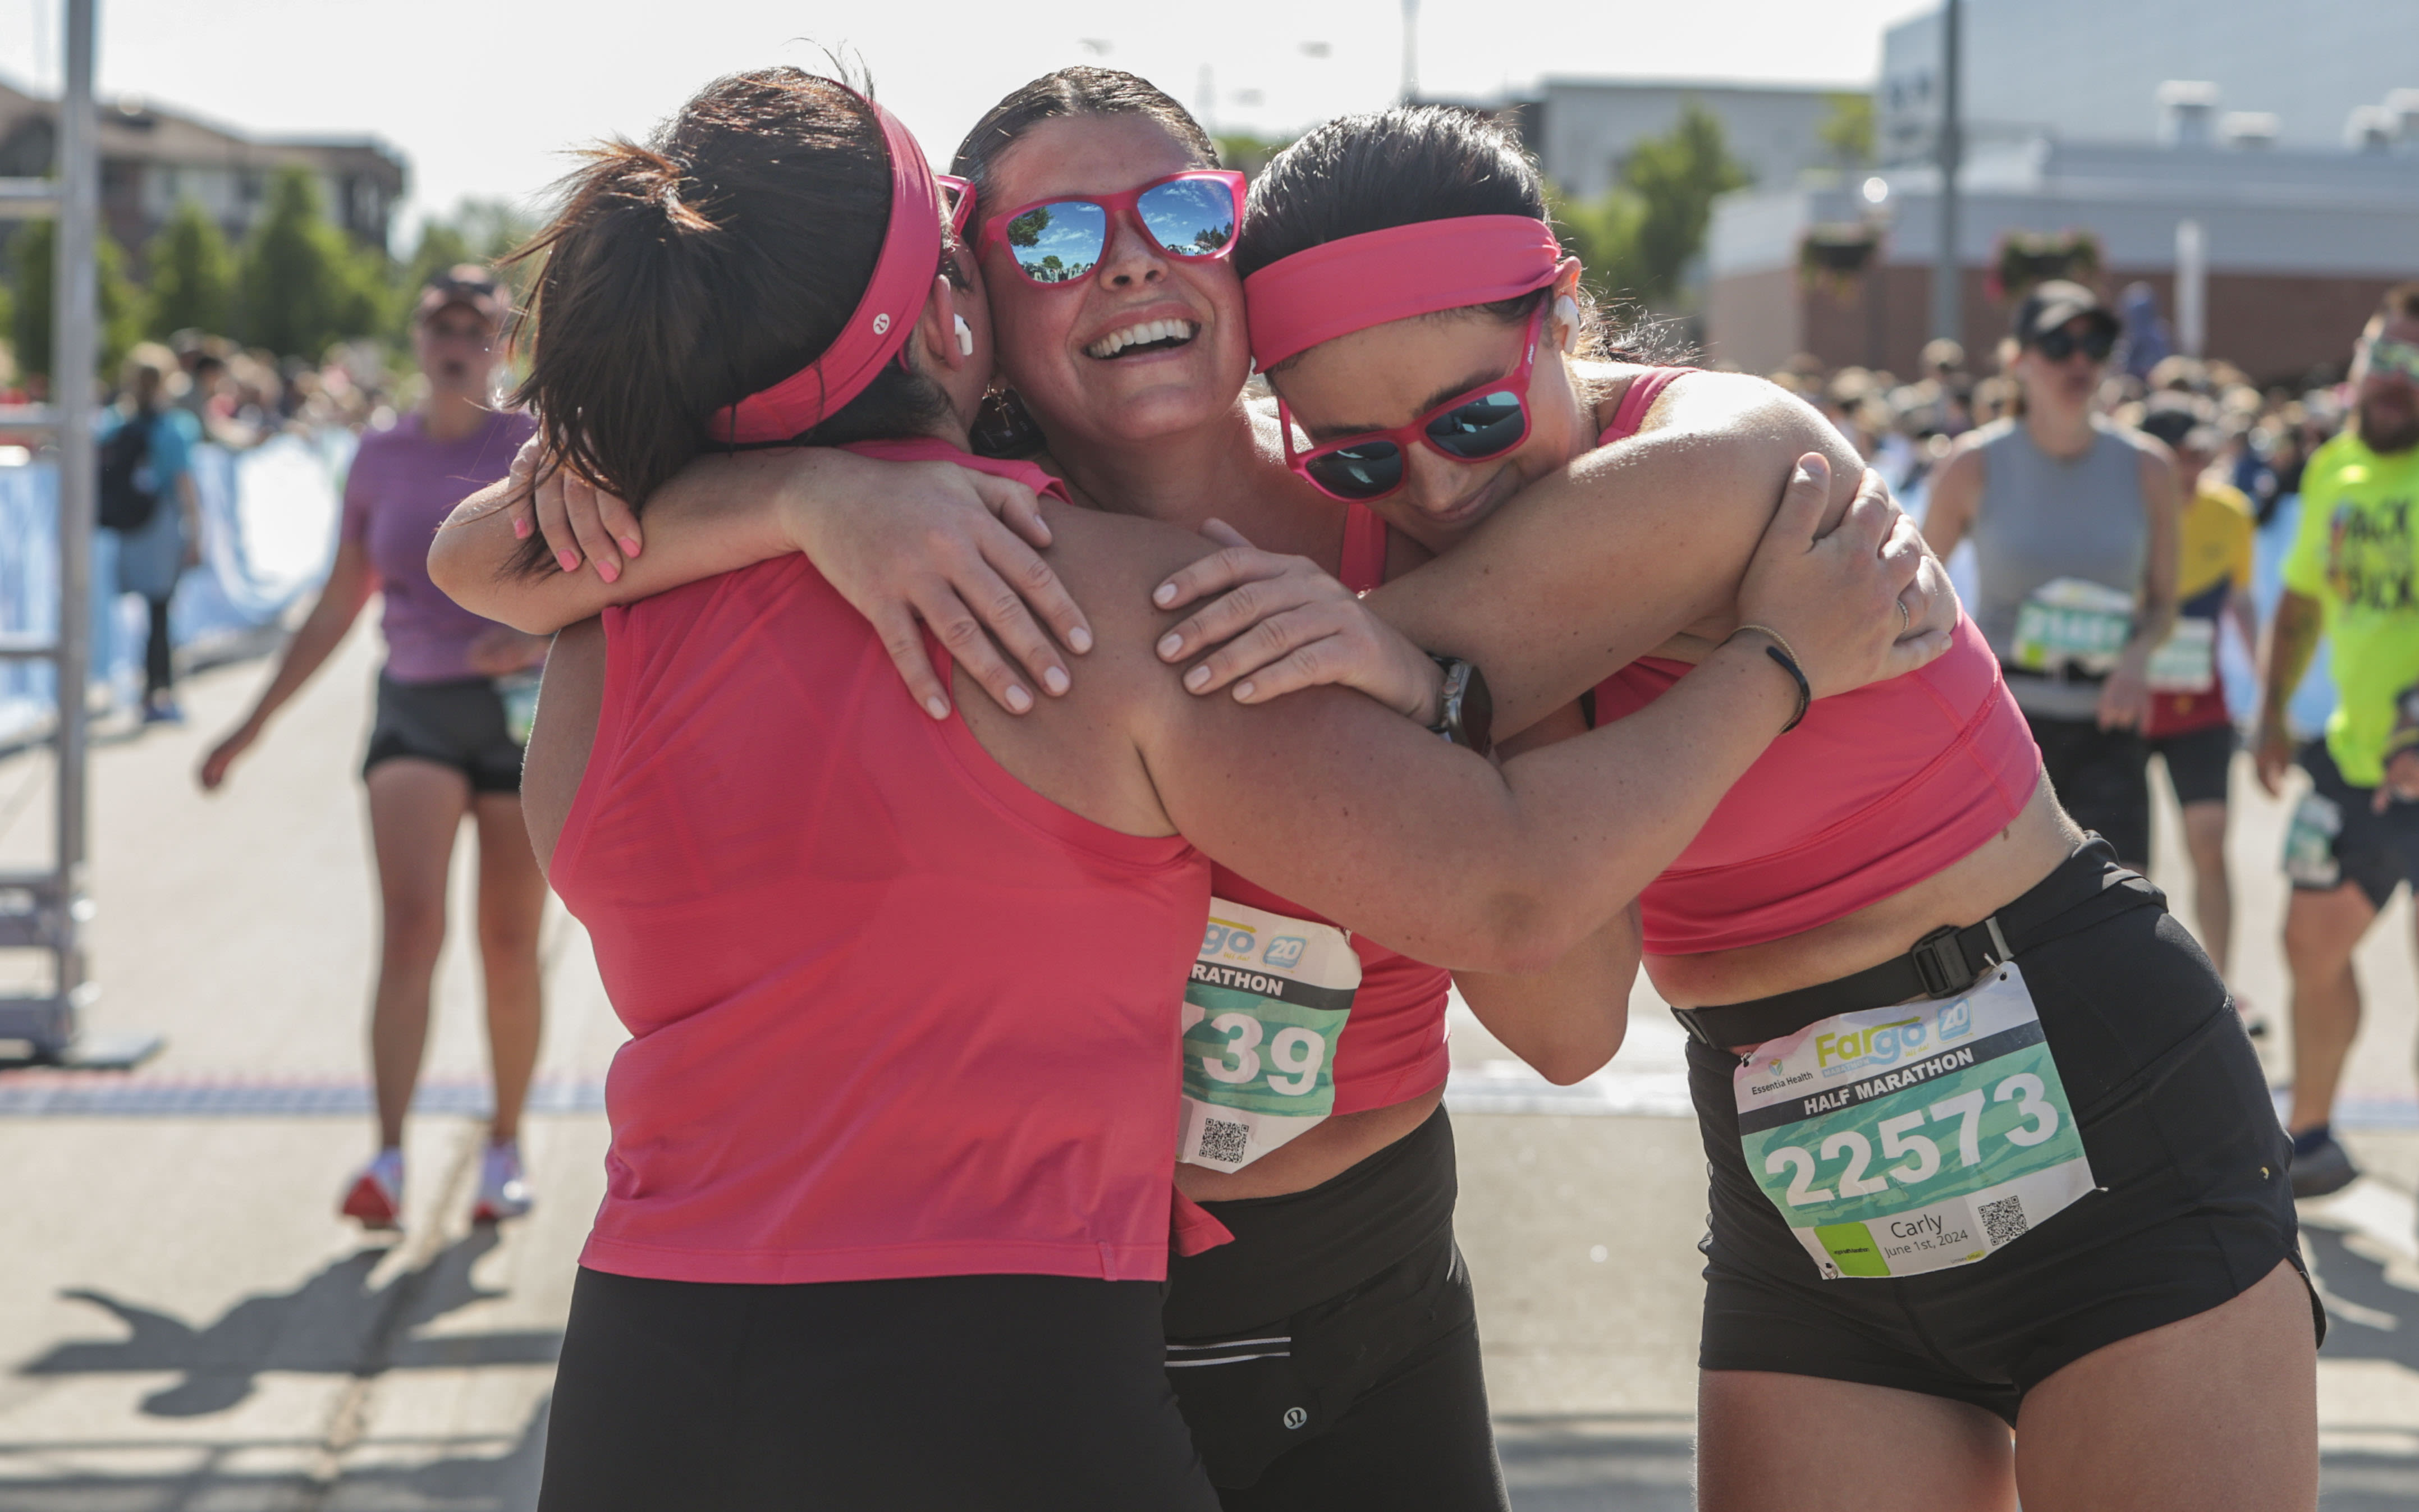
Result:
{"points": [[1948, 275], [1411, 51]]}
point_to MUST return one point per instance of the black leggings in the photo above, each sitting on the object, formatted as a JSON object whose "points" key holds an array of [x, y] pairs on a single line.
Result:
{"points": [[947, 1393], [158, 661]]}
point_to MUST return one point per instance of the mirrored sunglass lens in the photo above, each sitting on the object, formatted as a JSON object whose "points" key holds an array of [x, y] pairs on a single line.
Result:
{"points": [[1057, 242], [1358, 471], [1482, 427], [1190, 217], [2394, 357]]}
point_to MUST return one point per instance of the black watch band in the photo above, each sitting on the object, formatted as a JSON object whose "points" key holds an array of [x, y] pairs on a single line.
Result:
{"points": [[1465, 709]]}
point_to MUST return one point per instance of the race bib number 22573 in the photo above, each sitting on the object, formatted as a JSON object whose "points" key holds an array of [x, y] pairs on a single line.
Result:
{"points": [[1899, 1140]]}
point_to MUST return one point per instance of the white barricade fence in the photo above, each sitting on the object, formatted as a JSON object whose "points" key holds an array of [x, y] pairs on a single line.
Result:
{"points": [[268, 532]]}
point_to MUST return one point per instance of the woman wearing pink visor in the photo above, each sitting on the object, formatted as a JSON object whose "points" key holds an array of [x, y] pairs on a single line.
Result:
{"points": [[1987, 1146], [887, 1197], [1311, 1094]]}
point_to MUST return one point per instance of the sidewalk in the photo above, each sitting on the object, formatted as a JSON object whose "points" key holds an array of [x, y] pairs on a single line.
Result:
{"points": [[188, 1325]]}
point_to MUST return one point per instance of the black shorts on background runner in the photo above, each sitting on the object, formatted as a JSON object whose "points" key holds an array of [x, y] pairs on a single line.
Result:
{"points": [[460, 723], [2102, 778], [2336, 835], [2198, 763], [1328, 1358], [945, 1394], [2194, 1205]]}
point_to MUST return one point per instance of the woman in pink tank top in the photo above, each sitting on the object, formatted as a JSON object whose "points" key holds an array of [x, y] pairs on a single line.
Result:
{"points": [[1311, 1093], [1927, 1014], [888, 1193]]}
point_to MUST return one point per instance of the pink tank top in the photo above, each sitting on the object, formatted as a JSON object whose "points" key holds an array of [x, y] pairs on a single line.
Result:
{"points": [[1873, 792], [892, 1013]]}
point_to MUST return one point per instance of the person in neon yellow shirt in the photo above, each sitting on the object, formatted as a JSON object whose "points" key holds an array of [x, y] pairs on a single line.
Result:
{"points": [[2353, 573]]}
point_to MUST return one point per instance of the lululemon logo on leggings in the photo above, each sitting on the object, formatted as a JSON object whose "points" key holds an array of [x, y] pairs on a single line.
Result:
{"points": [[1295, 1417]]}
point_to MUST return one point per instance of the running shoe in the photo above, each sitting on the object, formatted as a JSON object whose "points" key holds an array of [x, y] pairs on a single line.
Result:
{"points": [[503, 1192], [2320, 1165], [376, 1196], [163, 711]]}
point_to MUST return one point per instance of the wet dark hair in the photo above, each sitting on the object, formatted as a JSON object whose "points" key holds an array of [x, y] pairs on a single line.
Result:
{"points": [[1082, 91], [715, 261], [1401, 166]]}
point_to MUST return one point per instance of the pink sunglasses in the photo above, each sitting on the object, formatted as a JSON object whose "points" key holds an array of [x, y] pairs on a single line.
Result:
{"points": [[1191, 215], [1485, 421]]}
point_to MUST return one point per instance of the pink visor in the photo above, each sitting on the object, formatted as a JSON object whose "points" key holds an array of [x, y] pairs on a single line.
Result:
{"points": [[1338, 287], [883, 319]]}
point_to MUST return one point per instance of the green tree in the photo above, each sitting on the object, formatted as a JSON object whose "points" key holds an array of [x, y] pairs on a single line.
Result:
{"points": [[1639, 237], [192, 275], [30, 318], [304, 284], [1847, 129]]}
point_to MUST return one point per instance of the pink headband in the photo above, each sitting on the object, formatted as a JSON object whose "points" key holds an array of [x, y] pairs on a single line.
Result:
{"points": [[1338, 287], [902, 283]]}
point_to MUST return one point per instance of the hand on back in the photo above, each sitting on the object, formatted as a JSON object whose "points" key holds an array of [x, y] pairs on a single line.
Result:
{"points": [[1843, 599]]}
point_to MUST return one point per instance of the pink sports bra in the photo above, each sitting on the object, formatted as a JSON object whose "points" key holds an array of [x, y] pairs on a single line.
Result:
{"points": [[1873, 792]]}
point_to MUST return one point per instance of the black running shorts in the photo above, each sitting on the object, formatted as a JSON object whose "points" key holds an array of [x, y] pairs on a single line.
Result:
{"points": [[458, 724], [2102, 780], [2338, 836], [1328, 1359], [945, 1394], [2198, 763], [2195, 1208]]}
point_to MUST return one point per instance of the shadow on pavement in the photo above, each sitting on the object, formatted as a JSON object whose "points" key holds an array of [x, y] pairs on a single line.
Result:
{"points": [[335, 1323], [507, 1482]]}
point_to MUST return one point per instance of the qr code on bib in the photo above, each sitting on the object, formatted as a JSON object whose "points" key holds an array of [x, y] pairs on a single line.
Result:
{"points": [[2003, 1220], [1223, 1142]]}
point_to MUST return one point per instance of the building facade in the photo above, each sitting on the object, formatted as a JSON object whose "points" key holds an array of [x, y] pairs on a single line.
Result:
{"points": [[1583, 130], [152, 160]]}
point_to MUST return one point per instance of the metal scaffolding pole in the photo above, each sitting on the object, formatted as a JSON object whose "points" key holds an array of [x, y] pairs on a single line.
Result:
{"points": [[1948, 273], [47, 911]]}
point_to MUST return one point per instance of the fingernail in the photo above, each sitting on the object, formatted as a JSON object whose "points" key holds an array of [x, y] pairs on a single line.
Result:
{"points": [[1242, 692], [1054, 680], [520, 529], [609, 572], [1170, 643], [1018, 699], [1197, 679], [938, 706], [629, 546], [1164, 595], [569, 561], [1079, 640]]}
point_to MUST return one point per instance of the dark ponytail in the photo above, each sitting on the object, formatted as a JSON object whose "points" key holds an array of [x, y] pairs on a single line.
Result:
{"points": [[715, 260]]}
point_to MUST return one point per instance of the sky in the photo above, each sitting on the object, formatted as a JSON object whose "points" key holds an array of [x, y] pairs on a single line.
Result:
{"points": [[485, 95]]}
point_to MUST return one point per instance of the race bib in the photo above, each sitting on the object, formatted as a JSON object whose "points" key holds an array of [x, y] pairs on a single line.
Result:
{"points": [[1899, 1140], [2310, 842], [1265, 1005], [2187, 661], [2068, 622], [519, 693]]}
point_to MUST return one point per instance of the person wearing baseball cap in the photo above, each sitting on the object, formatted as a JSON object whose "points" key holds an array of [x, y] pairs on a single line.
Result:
{"points": [[2074, 522], [454, 703]]}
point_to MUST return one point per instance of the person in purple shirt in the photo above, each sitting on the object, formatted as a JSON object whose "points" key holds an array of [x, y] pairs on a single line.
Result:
{"points": [[454, 706]]}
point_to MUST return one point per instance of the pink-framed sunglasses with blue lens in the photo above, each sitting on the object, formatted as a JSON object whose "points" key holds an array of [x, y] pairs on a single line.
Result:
{"points": [[1484, 423], [1192, 215]]}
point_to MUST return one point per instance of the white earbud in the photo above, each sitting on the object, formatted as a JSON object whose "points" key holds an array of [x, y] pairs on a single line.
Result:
{"points": [[965, 338], [1566, 310]]}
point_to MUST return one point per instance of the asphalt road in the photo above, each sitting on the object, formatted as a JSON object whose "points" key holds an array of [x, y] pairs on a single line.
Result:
{"points": [[185, 1324]]}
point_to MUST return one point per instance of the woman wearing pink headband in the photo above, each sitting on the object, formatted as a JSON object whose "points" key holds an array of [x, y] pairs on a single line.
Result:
{"points": [[1927, 1014], [1120, 327], [887, 1199]]}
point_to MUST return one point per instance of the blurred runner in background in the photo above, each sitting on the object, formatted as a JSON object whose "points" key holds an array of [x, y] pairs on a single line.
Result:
{"points": [[2352, 574], [2073, 524], [2190, 725], [454, 702], [147, 498]]}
